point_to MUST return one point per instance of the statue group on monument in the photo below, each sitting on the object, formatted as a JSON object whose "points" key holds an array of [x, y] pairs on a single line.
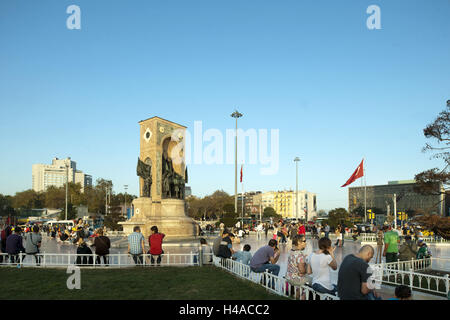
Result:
{"points": [[173, 184]]}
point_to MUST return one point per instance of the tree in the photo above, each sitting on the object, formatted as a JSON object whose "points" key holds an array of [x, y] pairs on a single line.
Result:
{"points": [[71, 212], [55, 198], [439, 225], [6, 205], [338, 216], [429, 181], [270, 212], [28, 199]]}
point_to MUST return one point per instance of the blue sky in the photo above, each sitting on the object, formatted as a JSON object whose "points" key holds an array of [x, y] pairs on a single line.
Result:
{"points": [[336, 90]]}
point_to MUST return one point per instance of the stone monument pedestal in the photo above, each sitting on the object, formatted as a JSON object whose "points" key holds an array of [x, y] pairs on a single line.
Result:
{"points": [[168, 215]]}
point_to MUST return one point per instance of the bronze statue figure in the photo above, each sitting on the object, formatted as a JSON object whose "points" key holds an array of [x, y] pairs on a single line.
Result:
{"points": [[144, 171]]}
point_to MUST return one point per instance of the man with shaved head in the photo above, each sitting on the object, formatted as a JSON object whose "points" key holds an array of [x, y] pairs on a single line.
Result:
{"points": [[353, 276]]}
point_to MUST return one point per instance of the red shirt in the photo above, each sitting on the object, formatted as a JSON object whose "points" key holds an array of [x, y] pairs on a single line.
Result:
{"points": [[301, 230], [155, 242]]}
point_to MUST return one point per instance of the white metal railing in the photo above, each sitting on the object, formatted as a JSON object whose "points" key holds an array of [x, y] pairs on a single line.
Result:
{"points": [[406, 273], [371, 237], [92, 260], [271, 282], [413, 264]]}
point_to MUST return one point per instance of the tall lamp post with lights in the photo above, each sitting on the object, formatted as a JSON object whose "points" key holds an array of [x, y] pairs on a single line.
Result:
{"points": [[236, 115], [297, 159], [126, 188]]}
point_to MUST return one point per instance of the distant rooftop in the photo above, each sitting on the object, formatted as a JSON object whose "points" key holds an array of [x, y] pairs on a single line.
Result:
{"points": [[401, 181]]}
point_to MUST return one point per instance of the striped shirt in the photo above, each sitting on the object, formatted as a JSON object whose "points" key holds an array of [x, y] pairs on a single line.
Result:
{"points": [[135, 241]]}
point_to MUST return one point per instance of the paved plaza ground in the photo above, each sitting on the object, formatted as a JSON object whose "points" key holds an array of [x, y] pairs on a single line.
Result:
{"points": [[119, 245]]}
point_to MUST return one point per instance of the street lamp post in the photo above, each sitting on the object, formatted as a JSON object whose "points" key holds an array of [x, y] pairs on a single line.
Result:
{"points": [[297, 159], [126, 188], [67, 186], [236, 115]]}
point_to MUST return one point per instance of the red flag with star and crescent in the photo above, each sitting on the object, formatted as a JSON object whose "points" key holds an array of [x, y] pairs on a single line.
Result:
{"points": [[241, 171], [359, 172]]}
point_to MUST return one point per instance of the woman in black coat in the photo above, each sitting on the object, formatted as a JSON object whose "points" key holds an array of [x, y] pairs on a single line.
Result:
{"points": [[83, 249]]}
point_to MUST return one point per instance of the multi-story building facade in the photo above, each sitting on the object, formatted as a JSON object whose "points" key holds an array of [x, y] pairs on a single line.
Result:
{"points": [[382, 197], [56, 174], [284, 203]]}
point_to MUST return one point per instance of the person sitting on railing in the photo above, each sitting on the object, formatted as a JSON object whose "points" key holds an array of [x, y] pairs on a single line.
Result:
{"points": [[296, 265], [102, 245], [265, 258], [319, 265], [243, 256], [84, 253], [354, 281], [14, 245], [423, 252], [136, 245], [206, 252], [33, 243], [226, 245], [408, 250], [155, 242]]}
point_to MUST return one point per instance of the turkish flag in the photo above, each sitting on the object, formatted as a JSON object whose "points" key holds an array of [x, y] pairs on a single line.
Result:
{"points": [[359, 172], [241, 171]]}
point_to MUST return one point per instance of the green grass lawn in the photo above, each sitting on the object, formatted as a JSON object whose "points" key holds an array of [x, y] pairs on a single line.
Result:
{"points": [[165, 283]]}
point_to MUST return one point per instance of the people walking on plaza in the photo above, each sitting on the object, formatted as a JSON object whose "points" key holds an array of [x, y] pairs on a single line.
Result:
{"points": [[259, 230], [221, 227], [326, 229], [342, 227], [408, 250], [136, 245], [353, 276], [243, 256], [283, 232], [319, 265], [380, 242], [391, 242], [301, 229], [266, 229], [293, 229], [355, 233], [338, 234], [33, 243], [102, 245], [14, 245], [296, 273], [265, 258], [84, 253], [155, 242]]}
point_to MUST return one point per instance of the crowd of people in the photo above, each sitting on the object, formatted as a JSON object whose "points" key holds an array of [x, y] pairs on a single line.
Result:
{"points": [[314, 269], [27, 240]]}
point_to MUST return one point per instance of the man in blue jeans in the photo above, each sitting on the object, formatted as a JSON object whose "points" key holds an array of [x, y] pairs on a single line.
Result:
{"points": [[265, 258]]}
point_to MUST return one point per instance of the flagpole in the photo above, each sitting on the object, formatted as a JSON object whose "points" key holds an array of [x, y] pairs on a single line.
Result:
{"points": [[365, 190], [242, 202], [242, 197]]}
